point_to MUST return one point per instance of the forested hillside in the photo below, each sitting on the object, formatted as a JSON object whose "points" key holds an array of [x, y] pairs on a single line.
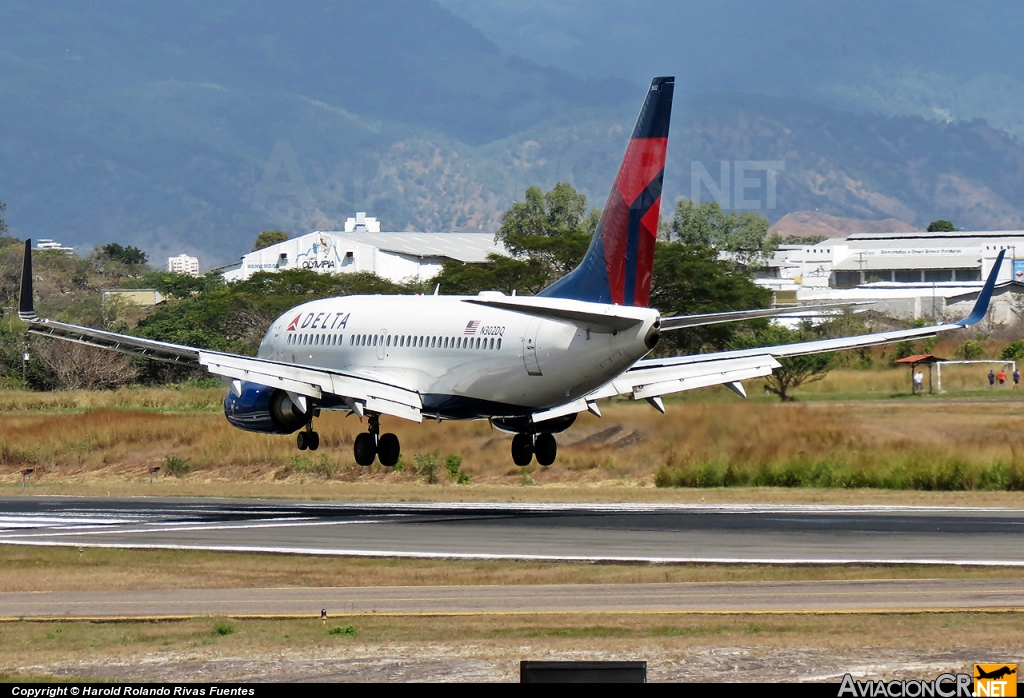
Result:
{"points": [[188, 127]]}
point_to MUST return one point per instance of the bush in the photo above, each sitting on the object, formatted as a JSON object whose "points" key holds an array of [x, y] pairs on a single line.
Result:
{"points": [[223, 628], [971, 349], [1013, 351], [176, 466], [349, 630], [321, 467], [427, 466]]}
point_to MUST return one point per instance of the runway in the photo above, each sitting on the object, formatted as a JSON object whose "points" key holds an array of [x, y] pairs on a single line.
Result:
{"points": [[866, 596], [633, 533]]}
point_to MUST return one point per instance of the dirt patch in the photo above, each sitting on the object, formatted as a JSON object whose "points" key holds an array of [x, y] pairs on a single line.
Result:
{"points": [[487, 662]]}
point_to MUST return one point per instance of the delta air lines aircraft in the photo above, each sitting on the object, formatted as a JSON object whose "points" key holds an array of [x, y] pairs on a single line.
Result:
{"points": [[527, 364]]}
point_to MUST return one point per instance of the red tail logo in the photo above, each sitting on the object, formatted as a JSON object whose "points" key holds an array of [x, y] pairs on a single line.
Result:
{"points": [[619, 264]]}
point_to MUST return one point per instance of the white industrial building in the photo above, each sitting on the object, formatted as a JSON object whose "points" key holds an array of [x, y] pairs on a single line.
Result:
{"points": [[398, 257], [183, 264], [908, 274]]}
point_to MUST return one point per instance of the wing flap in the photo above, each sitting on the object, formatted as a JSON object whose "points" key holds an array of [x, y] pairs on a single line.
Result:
{"points": [[375, 396], [125, 344]]}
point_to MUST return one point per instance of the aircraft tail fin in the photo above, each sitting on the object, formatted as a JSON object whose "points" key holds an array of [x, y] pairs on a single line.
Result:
{"points": [[26, 304], [618, 265]]}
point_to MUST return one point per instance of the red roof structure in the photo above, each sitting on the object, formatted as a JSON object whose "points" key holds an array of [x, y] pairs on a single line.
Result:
{"points": [[913, 362], [919, 359]]}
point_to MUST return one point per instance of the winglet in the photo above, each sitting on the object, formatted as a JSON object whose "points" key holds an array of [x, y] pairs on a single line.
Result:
{"points": [[981, 305], [26, 307]]}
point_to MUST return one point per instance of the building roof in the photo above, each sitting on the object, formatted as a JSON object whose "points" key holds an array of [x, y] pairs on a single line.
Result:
{"points": [[937, 260], [471, 248], [919, 359]]}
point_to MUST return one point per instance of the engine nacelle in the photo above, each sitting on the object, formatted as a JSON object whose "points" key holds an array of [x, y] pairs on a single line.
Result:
{"points": [[264, 410]]}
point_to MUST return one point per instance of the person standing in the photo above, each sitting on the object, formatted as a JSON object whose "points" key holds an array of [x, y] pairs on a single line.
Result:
{"points": [[991, 378], [1001, 377], [1016, 378], [918, 380]]}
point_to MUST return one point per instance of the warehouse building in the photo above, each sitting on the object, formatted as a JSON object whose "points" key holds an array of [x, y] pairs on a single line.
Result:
{"points": [[361, 247], [917, 274]]}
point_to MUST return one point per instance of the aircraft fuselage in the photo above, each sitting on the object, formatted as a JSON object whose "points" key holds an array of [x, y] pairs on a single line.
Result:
{"points": [[465, 360]]}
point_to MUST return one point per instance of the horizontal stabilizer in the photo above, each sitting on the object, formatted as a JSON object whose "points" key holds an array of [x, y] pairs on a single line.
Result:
{"points": [[677, 322], [609, 318]]}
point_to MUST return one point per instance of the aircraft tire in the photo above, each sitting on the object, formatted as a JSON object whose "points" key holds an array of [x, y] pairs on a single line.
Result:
{"points": [[301, 441], [522, 450], [365, 450], [388, 449], [546, 449], [313, 441]]}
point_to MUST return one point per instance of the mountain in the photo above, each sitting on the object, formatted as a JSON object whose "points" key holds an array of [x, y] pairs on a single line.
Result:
{"points": [[155, 122], [938, 59], [188, 127]]}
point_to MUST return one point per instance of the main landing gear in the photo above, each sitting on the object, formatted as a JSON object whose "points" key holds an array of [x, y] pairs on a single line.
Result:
{"points": [[526, 446], [385, 447], [308, 438]]}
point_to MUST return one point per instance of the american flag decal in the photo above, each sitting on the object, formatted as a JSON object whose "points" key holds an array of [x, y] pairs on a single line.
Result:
{"points": [[472, 327]]}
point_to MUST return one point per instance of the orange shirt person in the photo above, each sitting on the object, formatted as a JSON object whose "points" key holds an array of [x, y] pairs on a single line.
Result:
{"points": [[1001, 377]]}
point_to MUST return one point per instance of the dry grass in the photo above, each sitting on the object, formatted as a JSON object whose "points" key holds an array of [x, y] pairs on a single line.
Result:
{"points": [[36, 646], [105, 442], [111, 449], [99, 569]]}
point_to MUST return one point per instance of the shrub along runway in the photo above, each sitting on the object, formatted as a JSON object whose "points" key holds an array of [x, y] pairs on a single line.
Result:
{"points": [[740, 534]]}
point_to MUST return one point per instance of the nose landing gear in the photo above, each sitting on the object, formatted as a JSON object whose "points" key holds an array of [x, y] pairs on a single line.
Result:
{"points": [[308, 438], [372, 444], [526, 446]]}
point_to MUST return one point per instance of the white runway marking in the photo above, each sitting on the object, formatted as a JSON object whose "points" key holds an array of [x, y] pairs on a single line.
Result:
{"points": [[516, 557]]}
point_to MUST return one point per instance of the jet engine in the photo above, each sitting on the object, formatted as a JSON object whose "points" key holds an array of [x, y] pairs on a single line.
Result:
{"points": [[264, 410]]}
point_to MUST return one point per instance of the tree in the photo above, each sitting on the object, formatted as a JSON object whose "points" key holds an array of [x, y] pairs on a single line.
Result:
{"points": [[80, 367], [690, 279], [269, 237], [744, 234], [127, 255], [552, 229], [805, 240], [793, 371], [941, 226], [3, 225], [501, 273]]}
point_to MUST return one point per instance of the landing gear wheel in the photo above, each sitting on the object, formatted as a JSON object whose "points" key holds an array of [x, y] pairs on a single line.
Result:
{"points": [[312, 441], [545, 449], [365, 449], [388, 449], [302, 440], [522, 449]]}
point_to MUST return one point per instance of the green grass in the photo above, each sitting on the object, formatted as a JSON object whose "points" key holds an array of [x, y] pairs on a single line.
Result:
{"points": [[916, 471]]}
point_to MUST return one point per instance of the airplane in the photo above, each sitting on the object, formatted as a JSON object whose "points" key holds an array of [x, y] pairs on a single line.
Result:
{"points": [[994, 674], [528, 364]]}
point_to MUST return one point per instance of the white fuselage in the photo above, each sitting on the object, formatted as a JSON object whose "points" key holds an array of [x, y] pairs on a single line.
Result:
{"points": [[465, 360]]}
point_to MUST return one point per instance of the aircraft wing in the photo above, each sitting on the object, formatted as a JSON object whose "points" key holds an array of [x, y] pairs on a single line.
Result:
{"points": [[649, 379], [360, 392]]}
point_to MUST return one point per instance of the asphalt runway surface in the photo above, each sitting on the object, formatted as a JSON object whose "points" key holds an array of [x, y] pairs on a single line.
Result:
{"points": [[640, 533]]}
